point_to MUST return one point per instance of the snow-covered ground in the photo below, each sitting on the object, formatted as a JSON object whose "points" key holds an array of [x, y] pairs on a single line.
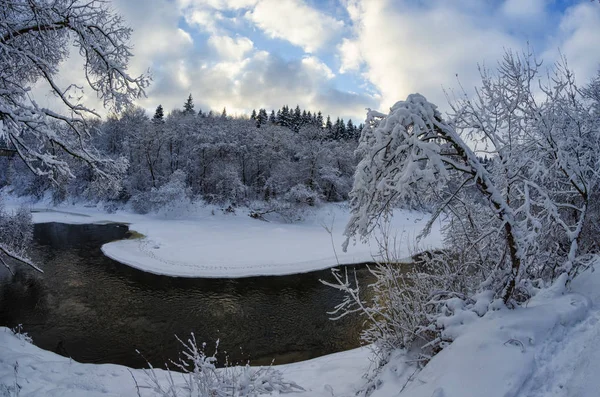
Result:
{"points": [[206, 242], [548, 348], [42, 373]]}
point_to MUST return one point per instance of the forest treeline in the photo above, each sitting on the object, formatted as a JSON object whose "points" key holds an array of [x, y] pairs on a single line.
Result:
{"points": [[285, 157]]}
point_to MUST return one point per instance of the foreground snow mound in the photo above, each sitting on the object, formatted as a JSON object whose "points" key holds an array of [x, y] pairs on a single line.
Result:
{"points": [[549, 347], [41, 373]]}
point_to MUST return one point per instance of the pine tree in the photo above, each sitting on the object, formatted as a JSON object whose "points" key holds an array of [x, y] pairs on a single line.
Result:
{"points": [[272, 117], [285, 119], [320, 119], [188, 106], [159, 115], [296, 119], [342, 130], [224, 113], [335, 135], [350, 130], [261, 118], [329, 126], [253, 115]]}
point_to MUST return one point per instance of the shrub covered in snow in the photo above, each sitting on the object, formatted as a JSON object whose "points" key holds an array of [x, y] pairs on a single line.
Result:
{"points": [[16, 233], [172, 197], [200, 377]]}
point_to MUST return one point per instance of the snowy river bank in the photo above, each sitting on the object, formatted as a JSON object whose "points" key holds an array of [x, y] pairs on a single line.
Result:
{"points": [[207, 242]]}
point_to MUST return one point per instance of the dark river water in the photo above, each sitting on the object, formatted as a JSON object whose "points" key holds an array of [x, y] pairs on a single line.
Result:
{"points": [[93, 309]]}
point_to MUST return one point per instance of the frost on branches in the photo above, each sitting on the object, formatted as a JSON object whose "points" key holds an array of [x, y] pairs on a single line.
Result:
{"points": [[199, 376], [514, 174], [16, 233], [35, 36]]}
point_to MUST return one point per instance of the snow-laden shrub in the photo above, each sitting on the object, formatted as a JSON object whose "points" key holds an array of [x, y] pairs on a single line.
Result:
{"points": [[20, 334], [16, 233], [280, 210], [171, 198], [228, 186], [302, 194], [200, 377]]}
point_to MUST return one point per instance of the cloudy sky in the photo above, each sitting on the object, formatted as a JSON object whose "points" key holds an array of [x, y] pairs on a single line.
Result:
{"points": [[341, 56]]}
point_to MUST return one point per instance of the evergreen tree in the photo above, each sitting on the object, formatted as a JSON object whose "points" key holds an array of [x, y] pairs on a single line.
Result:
{"points": [[201, 113], [188, 106], [296, 119], [329, 126], [253, 115], [272, 117], [262, 117], [320, 119], [342, 130], [350, 130], [285, 118], [159, 115], [224, 113], [335, 134]]}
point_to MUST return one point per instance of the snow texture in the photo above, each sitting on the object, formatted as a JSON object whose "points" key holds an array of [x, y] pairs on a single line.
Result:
{"points": [[546, 348]]}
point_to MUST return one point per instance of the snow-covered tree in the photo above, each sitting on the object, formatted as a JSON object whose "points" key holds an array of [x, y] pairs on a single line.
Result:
{"points": [[159, 115], [35, 37], [513, 223], [188, 106], [261, 118]]}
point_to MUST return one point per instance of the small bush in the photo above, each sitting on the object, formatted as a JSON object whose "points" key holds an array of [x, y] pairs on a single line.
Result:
{"points": [[200, 377]]}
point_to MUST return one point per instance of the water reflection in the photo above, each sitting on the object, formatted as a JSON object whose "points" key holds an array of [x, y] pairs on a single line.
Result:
{"points": [[93, 309]]}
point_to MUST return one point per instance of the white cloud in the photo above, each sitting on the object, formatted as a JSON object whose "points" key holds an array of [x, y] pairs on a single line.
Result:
{"points": [[395, 46], [315, 65], [230, 48], [418, 48], [296, 22], [266, 80], [350, 55], [577, 38]]}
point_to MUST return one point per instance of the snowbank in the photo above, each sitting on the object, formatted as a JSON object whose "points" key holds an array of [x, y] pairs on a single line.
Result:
{"points": [[210, 243], [42, 373], [548, 348]]}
